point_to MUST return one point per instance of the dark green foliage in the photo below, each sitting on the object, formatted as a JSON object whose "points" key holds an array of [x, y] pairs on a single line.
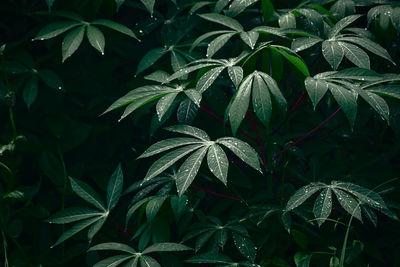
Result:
{"points": [[199, 133]]}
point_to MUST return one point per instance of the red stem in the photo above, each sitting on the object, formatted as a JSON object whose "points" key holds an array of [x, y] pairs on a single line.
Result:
{"points": [[308, 134]]}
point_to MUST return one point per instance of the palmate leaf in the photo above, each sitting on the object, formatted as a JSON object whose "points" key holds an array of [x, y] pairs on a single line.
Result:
{"points": [[150, 58], [168, 144], [208, 78], [189, 130], [113, 246], [165, 247], [164, 103], [250, 38], [302, 43], [333, 53], [235, 74], [343, 23], [347, 100], [54, 29], [316, 90], [153, 206], [356, 55], [187, 111], [218, 43], [147, 261], [287, 20], [115, 26], [238, 6], [95, 228], [113, 261], [262, 88], [302, 195], [349, 203], [96, 38]]}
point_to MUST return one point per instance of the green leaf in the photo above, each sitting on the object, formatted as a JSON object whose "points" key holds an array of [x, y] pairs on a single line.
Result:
{"points": [[96, 38], [218, 162], [114, 187], [386, 90], [302, 259], [165, 247], [150, 58], [274, 90], [179, 205], [240, 104], [95, 228], [154, 206], [187, 111], [157, 76], [113, 246], [164, 103], [113, 261], [323, 206], [133, 263], [149, 4], [355, 74], [167, 144], [369, 45], [177, 63], [167, 160], [316, 89], [72, 215], [223, 20], [245, 246], [349, 203], [140, 102], [343, 23], [193, 95], [54, 29], [262, 103], [136, 206], [218, 43], [287, 20], [302, 43], [51, 79], [346, 100], [333, 53], [235, 74], [334, 262], [188, 170], [71, 42], [302, 195], [209, 258], [87, 193], [147, 261], [115, 26], [376, 102], [250, 38], [205, 36], [188, 70], [238, 6], [50, 3], [296, 61], [30, 91], [267, 10], [75, 229], [119, 3], [208, 79], [203, 238], [189, 130], [242, 150], [366, 196], [355, 55]]}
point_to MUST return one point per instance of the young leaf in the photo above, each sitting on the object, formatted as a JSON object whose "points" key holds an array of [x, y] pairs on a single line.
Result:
{"points": [[96, 38], [218, 162], [114, 187], [71, 42], [188, 170], [87, 193], [323, 206], [242, 150]]}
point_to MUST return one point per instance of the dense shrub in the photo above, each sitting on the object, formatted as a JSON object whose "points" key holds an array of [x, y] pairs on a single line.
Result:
{"points": [[199, 133]]}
